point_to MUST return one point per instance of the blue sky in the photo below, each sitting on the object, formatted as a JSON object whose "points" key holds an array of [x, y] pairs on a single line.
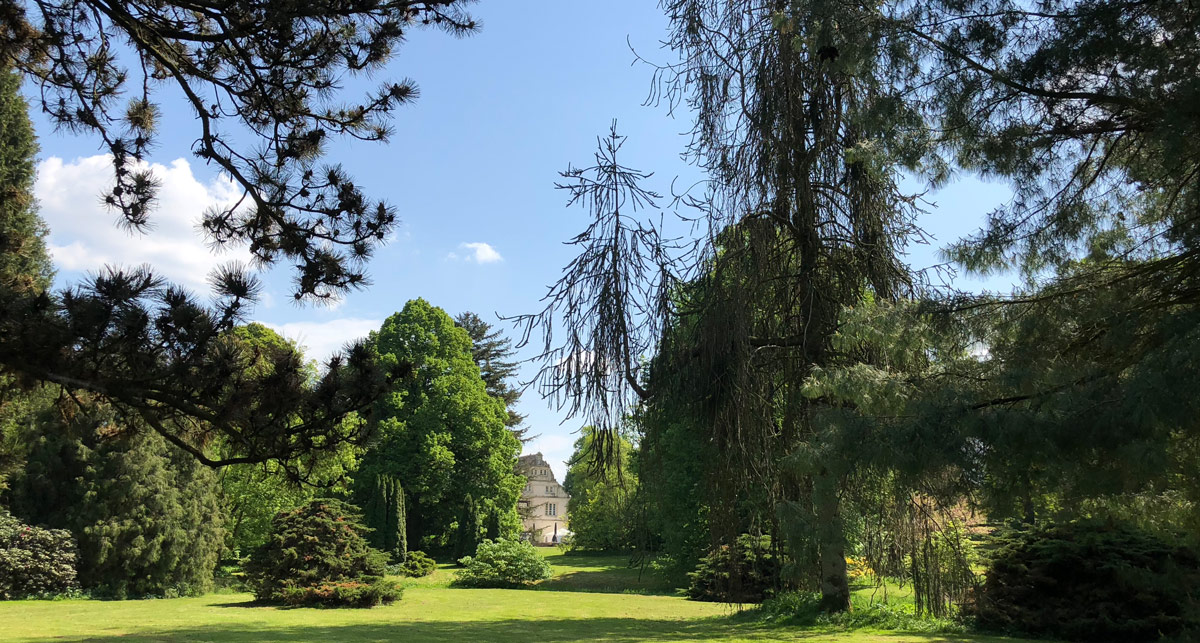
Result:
{"points": [[471, 169]]}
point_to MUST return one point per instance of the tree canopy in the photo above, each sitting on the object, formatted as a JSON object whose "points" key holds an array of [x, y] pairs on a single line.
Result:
{"points": [[439, 434]]}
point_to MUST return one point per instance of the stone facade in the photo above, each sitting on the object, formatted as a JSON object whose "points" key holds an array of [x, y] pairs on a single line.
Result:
{"points": [[543, 504]]}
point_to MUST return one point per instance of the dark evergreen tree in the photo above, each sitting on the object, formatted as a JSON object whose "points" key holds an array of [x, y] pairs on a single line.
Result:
{"points": [[383, 514], [493, 353], [147, 517], [396, 526], [25, 265], [466, 535], [316, 555]]}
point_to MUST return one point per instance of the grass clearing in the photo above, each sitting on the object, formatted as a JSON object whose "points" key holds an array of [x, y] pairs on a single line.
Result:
{"points": [[590, 598]]}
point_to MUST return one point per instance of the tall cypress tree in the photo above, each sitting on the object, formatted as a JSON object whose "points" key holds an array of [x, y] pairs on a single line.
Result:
{"points": [[25, 267], [397, 526], [383, 512], [24, 262]]}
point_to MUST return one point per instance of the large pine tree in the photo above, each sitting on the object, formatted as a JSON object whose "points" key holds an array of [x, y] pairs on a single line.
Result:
{"points": [[263, 81]]}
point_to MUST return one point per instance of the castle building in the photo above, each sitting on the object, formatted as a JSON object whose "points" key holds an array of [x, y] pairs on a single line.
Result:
{"points": [[543, 503]]}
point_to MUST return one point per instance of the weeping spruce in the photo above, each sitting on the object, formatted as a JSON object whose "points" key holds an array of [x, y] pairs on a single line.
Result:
{"points": [[802, 137]]}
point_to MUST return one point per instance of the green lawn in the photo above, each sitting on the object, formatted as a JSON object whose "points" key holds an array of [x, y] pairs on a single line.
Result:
{"points": [[581, 603]]}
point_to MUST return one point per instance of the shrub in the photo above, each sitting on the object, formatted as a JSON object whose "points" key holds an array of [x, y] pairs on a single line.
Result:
{"points": [[1087, 581], [746, 572], [316, 555], [34, 561], [416, 565], [343, 594], [502, 563]]}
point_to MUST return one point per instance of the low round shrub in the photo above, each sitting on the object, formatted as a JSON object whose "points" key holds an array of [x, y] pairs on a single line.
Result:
{"points": [[1090, 582], [745, 572], [416, 564], [503, 563], [35, 562], [343, 594], [316, 555]]}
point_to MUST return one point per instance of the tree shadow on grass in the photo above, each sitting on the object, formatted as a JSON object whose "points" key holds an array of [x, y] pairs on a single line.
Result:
{"points": [[617, 581], [603, 573], [615, 630]]}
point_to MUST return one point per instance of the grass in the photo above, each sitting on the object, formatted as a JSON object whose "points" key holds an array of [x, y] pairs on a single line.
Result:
{"points": [[588, 599]]}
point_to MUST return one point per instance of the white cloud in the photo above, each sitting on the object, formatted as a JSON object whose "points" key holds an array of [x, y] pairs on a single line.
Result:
{"points": [[322, 339], [480, 253], [84, 235]]}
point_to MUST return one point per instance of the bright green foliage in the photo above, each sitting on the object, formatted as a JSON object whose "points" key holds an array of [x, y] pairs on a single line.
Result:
{"points": [[602, 507], [417, 564], [147, 517], [34, 561], [317, 555], [1091, 582], [746, 572], [440, 433], [254, 493], [502, 563], [383, 512]]}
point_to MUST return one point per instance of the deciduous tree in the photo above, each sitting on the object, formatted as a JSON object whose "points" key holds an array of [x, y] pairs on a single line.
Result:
{"points": [[439, 432]]}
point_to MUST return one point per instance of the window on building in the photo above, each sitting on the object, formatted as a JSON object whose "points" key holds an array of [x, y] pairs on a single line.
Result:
{"points": [[551, 509]]}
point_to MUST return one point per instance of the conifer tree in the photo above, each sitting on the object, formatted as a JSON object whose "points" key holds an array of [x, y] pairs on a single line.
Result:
{"points": [[397, 523], [24, 262], [383, 513], [493, 353], [25, 265], [147, 517]]}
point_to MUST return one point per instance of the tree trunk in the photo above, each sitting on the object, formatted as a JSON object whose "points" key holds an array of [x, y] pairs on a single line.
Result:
{"points": [[835, 585]]}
